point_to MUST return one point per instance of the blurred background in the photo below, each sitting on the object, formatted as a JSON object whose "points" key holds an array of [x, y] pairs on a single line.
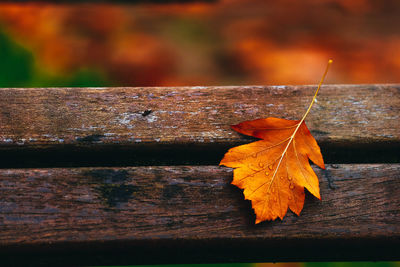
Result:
{"points": [[221, 42]]}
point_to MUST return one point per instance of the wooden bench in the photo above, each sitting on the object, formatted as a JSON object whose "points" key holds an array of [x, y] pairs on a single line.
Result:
{"points": [[95, 176]]}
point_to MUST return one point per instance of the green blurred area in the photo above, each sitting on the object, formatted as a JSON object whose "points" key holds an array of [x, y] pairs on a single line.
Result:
{"points": [[18, 69]]}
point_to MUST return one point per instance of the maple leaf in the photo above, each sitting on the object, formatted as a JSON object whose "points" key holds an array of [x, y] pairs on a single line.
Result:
{"points": [[274, 171]]}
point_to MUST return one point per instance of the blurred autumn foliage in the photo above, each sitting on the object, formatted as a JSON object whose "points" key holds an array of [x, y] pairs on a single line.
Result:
{"points": [[224, 42]]}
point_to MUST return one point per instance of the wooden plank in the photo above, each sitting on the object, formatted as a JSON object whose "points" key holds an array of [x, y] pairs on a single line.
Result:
{"points": [[192, 214], [78, 116], [45, 127]]}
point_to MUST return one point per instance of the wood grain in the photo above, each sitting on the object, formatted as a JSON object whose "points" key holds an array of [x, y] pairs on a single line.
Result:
{"points": [[75, 127], [120, 116], [194, 208]]}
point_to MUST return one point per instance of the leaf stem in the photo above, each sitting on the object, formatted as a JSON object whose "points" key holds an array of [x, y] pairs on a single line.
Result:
{"points": [[316, 92], [299, 124]]}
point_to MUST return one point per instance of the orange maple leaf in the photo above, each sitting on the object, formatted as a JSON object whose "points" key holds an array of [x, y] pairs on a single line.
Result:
{"points": [[275, 170]]}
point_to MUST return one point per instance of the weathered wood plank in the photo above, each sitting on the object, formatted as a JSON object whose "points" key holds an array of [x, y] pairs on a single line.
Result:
{"points": [[66, 127], [154, 211], [82, 116]]}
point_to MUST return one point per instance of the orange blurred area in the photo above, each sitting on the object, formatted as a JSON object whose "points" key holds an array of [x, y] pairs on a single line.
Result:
{"points": [[226, 42]]}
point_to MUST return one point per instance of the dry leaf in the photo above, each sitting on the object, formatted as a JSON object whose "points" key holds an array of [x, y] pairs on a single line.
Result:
{"points": [[275, 170]]}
